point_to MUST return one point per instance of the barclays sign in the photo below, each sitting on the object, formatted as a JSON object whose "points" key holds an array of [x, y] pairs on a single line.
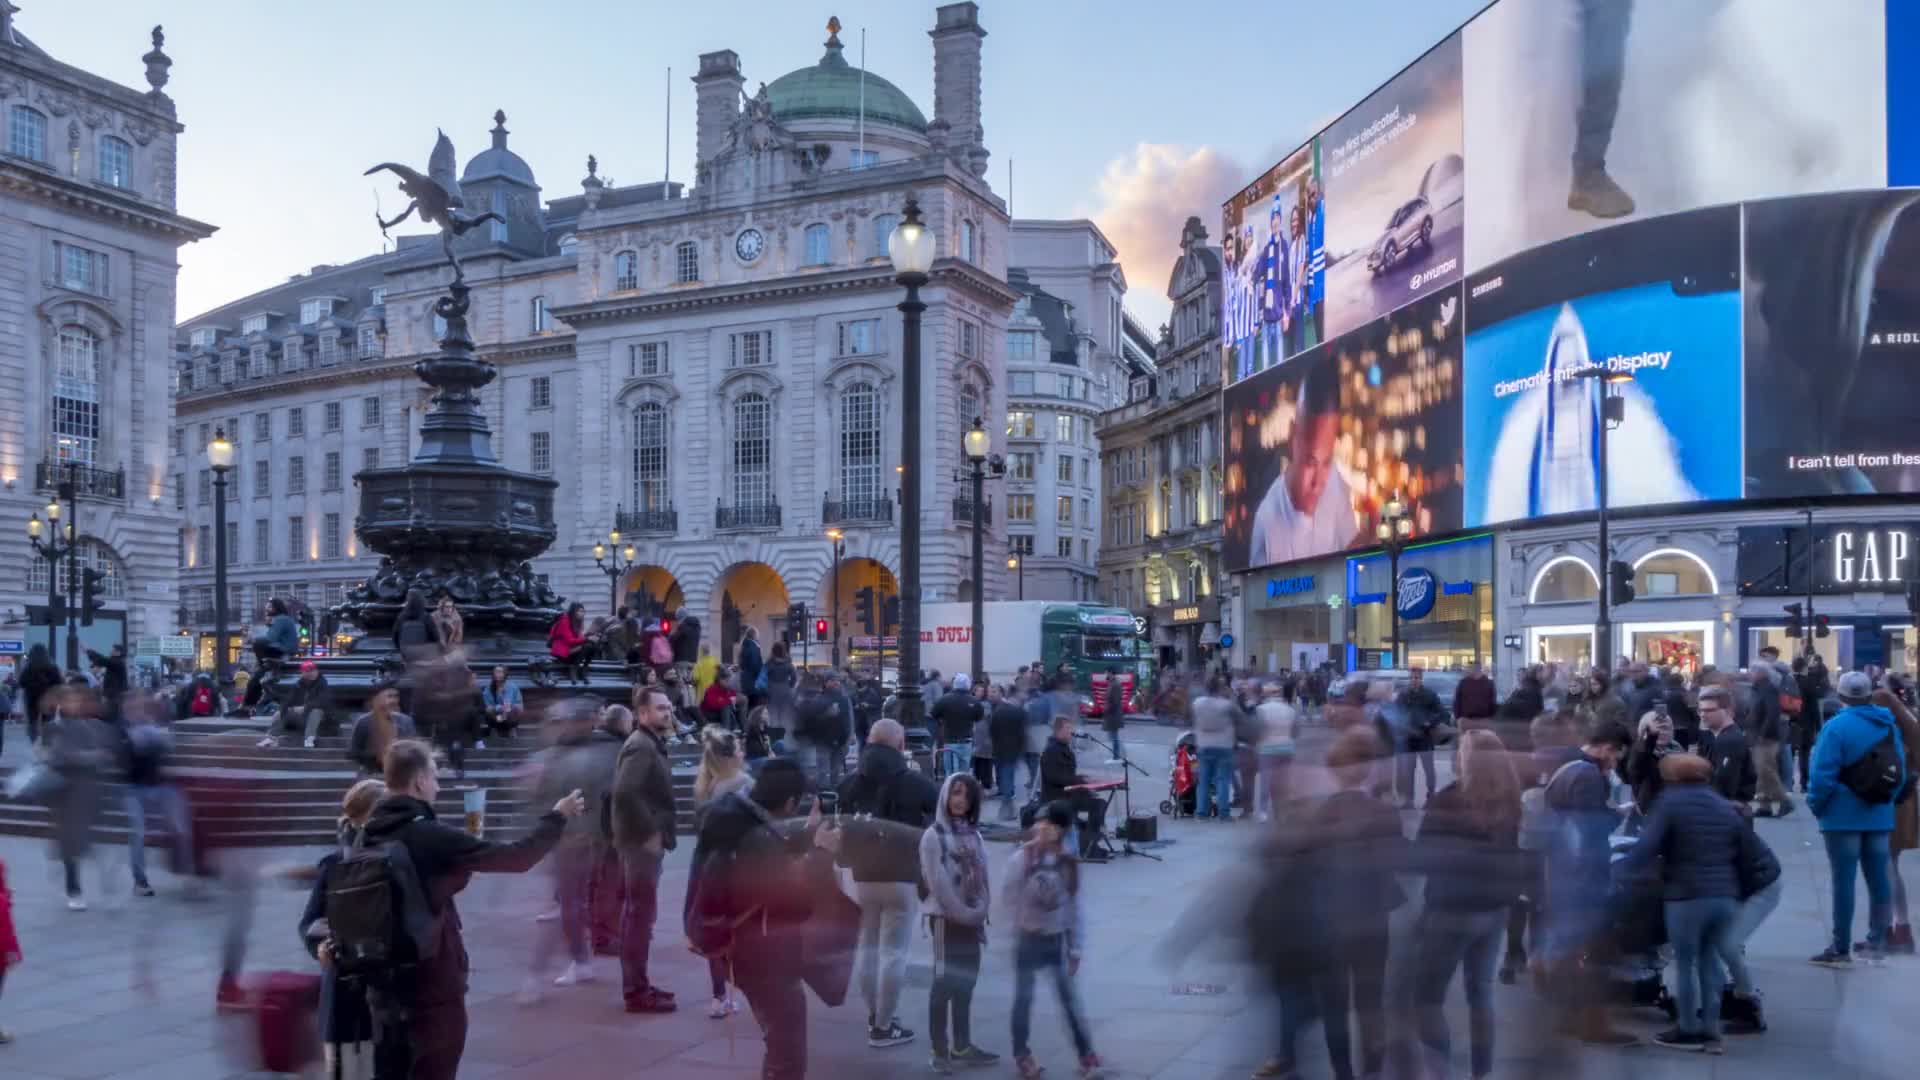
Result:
{"points": [[1414, 594], [1290, 586]]}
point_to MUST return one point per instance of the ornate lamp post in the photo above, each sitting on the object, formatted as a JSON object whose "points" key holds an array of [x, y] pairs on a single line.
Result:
{"points": [[1020, 568], [1395, 527], [979, 467], [608, 559], [910, 249], [839, 552], [53, 549], [220, 458], [1612, 411]]}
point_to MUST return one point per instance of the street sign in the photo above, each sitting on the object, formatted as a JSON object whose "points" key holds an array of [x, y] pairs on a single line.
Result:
{"points": [[1226, 641], [176, 646], [12, 648], [146, 646]]}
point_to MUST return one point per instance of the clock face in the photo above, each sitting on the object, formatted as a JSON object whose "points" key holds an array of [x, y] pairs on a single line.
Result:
{"points": [[749, 244]]}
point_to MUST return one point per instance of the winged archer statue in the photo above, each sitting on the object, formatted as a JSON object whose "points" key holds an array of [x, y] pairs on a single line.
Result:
{"points": [[436, 198]]}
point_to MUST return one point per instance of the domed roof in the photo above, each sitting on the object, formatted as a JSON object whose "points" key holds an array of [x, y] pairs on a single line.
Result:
{"points": [[831, 89], [497, 161]]}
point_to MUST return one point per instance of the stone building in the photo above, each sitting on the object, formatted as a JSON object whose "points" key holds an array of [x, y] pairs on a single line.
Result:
{"points": [[715, 373], [1160, 455], [89, 239]]}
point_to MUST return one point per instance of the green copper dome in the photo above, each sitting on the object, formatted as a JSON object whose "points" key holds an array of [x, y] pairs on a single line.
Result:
{"points": [[831, 89]]}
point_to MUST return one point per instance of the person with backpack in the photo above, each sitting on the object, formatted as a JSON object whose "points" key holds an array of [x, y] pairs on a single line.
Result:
{"points": [[953, 863], [414, 960], [747, 658], [416, 635], [640, 822], [1042, 898], [891, 805], [200, 698], [1859, 776], [346, 1027], [1571, 818]]}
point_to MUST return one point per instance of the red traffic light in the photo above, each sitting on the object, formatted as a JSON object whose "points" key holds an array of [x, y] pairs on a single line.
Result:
{"points": [[820, 627], [666, 626]]}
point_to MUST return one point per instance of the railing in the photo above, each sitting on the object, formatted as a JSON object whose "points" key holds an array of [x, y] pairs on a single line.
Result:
{"points": [[761, 516], [647, 522], [856, 511], [88, 482], [963, 511]]}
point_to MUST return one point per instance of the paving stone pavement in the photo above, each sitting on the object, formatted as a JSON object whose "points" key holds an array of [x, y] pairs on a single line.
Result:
{"points": [[124, 990]]}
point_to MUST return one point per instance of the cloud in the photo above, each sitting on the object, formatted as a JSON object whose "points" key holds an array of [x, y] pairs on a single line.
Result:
{"points": [[1141, 201]]}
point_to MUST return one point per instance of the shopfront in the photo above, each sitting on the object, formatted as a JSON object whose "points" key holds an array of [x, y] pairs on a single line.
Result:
{"points": [[1848, 579], [1676, 620], [1445, 598], [1295, 617], [1184, 635]]}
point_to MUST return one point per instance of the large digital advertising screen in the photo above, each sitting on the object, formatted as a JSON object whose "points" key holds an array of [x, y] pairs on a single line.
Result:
{"points": [[1318, 445], [1396, 189], [1580, 113], [1273, 287], [1833, 344], [1656, 302]]}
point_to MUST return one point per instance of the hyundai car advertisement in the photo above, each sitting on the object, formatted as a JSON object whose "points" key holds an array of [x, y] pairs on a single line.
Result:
{"points": [[1396, 191], [1273, 287]]}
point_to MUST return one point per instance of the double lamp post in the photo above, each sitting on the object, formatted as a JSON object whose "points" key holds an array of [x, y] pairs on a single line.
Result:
{"points": [[56, 549]]}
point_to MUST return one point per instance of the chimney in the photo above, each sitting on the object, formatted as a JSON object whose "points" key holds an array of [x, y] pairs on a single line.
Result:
{"points": [[716, 103], [956, 38]]}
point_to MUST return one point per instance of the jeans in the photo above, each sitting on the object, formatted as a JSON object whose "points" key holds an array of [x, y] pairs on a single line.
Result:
{"points": [[1007, 774], [303, 719], [887, 913], [955, 757], [1403, 771], [1753, 911], [167, 804], [779, 1002], [1850, 854], [1215, 787], [1603, 65], [1701, 931], [636, 920], [1470, 942], [956, 968], [1033, 772], [572, 876], [1031, 953], [1113, 736], [1355, 976], [1803, 739]]}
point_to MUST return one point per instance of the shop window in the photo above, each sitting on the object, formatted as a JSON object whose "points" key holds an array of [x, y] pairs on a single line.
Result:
{"points": [[1563, 580], [1672, 573]]}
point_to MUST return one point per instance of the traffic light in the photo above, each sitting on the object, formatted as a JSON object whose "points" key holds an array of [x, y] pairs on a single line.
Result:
{"points": [[305, 620], [1620, 582], [666, 626], [796, 621], [863, 607], [892, 613], [92, 587], [819, 629], [1820, 628], [1795, 626]]}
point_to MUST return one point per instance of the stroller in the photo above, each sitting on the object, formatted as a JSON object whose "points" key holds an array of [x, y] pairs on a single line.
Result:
{"points": [[1636, 975], [1181, 782]]}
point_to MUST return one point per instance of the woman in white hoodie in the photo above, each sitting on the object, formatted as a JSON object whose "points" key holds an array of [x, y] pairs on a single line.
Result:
{"points": [[953, 863]]}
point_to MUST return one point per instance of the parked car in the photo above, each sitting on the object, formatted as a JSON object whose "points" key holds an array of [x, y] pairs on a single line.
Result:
{"points": [[1410, 227]]}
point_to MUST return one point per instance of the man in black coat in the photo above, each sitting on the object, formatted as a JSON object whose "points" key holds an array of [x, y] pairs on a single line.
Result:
{"points": [[113, 678], [953, 716], [685, 638], [1725, 745], [1007, 727], [891, 805]]}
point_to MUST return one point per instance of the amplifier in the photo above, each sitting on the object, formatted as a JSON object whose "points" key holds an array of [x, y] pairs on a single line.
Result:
{"points": [[1142, 828]]}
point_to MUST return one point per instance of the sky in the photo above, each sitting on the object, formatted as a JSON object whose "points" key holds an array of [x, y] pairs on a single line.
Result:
{"points": [[1135, 113]]}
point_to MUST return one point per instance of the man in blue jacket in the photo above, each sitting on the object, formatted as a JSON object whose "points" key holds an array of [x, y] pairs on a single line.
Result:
{"points": [[1856, 830]]}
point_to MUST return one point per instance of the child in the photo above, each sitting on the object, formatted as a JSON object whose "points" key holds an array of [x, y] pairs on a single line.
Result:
{"points": [[953, 863], [346, 1026], [9, 944], [1043, 895]]}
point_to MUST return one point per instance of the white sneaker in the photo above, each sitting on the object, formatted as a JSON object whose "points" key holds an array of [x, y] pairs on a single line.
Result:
{"points": [[722, 1008], [479, 744], [310, 742], [75, 903], [574, 975]]}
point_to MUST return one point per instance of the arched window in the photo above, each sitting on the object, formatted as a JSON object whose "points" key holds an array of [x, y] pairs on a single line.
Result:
{"points": [[1566, 578], [650, 488], [817, 240], [115, 164], [626, 270], [883, 226], [570, 244], [76, 397], [93, 555], [752, 451], [686, 261], [968, 246], [969, 411], [27, 133], [860, 444], [1672, 572]]}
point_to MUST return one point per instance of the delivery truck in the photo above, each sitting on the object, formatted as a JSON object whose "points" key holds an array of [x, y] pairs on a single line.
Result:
{"points": [[1089, 640]]}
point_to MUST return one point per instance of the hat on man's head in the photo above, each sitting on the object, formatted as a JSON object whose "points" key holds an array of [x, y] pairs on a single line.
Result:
{"points": [[963, 681], [308, 665], [1854, 686]]}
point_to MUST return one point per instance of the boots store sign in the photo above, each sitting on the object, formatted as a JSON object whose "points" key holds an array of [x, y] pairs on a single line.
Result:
{"points": [[1835, 558]]}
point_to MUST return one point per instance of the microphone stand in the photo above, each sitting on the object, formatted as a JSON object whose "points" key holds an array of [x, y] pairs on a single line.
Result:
{"points": [[1126, 795]]}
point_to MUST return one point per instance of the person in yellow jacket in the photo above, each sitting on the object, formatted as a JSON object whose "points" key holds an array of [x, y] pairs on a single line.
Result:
{"points": [[705, 670]]}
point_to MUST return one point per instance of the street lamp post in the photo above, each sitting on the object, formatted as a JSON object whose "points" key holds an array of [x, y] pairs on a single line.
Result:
{"points": [[607, 557], [839, 552], [220, 457], [979, 467], [53, 549], [1396, 525], [910, 249], [1612, 411], [1020, 568]]}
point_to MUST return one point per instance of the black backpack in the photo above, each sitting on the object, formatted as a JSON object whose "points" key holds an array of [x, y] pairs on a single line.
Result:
{"points": [[377, 913], [1878, 776]]}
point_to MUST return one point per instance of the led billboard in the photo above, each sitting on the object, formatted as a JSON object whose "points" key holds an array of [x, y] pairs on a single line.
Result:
{"points": [[1273, 287]]}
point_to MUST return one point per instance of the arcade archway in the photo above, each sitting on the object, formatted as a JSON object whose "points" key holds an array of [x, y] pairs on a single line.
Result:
{"points": [[651, 591], [751, 594], [867, 596]]}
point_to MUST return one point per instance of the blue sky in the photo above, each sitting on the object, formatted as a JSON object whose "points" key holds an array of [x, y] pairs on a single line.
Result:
{"points": [[1134, 112]]}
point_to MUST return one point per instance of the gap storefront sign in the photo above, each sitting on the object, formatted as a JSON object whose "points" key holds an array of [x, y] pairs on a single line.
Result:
{"points": [[1836, 558], [1444, 595]]}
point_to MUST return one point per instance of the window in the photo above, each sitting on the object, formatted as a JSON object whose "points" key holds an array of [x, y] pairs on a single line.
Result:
{"points": [[204, 337], [1063, 428], [370, 457], [1065, 385], [540, 392], [969, 406], [863, 159], [1020, 508], [968, 248], [883, 226], [1020, 544], [296, 475], [626, 270], [1019, 424], [369, 341], [203, 545], [263, 427], [76, 397], [1020, 465], [233, 540], [206, 487], [312, 311], [27, 134], [1086, 512], [686, 262], [539, 315], [647, 358], [377, 295], [179, 491], [1063, 547], [859, 337], [330, 536], [330, 471], [297, 422], [115, 162], [80, 269], [296, 538], [370, 412], [1086, 551], [233, 486], [1085, 428], [1020, 345], [1065, 471], [257, 358], [330, 416], [751, 349], [817, 240], [650, 488], [1020, 384], [540, 452], [262, 480], [860, 443], [969, 337], [1063, 509], [752, 451], [254, 324]]}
